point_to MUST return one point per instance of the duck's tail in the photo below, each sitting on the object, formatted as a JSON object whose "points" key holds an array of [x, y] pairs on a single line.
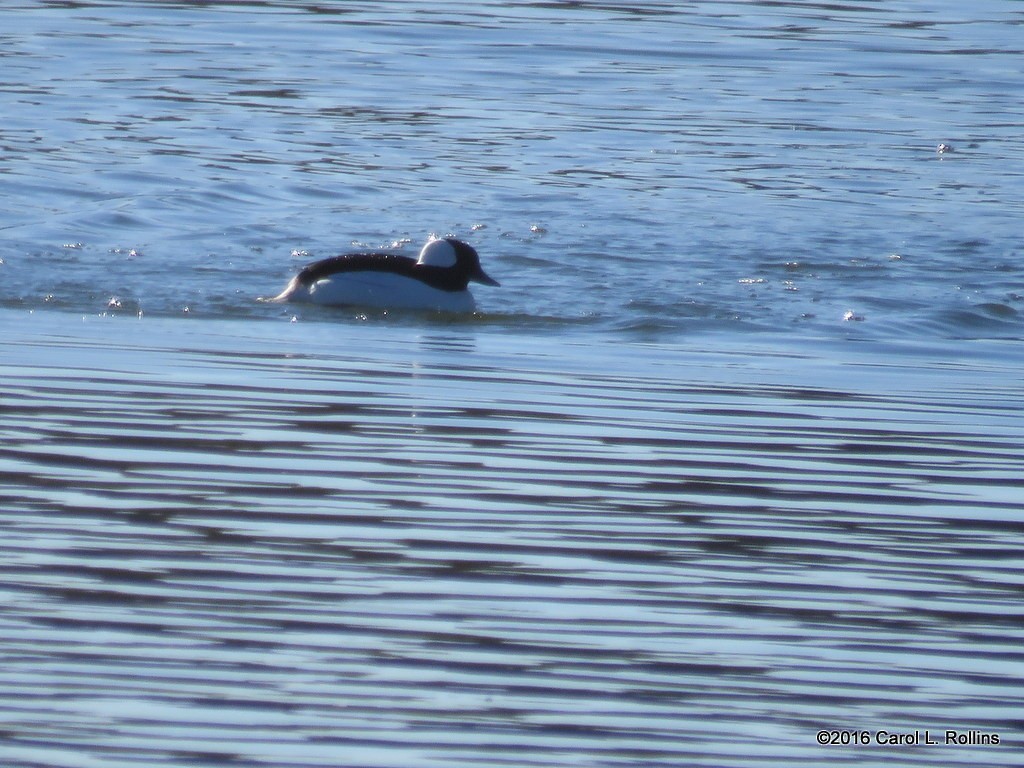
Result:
{"points": [[284, 295]]}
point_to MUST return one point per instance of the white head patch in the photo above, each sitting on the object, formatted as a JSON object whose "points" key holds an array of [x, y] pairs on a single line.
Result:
{"points": [[437, 253]]}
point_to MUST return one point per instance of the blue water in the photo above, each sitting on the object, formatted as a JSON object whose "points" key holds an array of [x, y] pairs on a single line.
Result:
{"points": [[732, 456], [659, 170]]}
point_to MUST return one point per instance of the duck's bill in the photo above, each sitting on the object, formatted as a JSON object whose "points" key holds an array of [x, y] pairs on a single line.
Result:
{"points": [[482, 277]]}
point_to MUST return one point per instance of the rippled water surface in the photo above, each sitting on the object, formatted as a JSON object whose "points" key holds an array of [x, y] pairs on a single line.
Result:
{"points": [[441, 547], [654, 167], [733, 456]]}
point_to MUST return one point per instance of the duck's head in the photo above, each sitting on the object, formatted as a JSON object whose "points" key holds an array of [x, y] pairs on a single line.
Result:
{"points": [[449, 253]]}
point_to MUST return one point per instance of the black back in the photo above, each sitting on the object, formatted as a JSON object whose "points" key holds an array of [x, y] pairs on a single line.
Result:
{"points": [[454, 278]]}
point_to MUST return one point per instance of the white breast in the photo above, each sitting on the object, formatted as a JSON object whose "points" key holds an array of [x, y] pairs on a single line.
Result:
{"points": [[383, 290]]}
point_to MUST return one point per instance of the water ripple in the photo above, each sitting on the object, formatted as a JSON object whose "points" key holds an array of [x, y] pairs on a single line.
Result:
{"points": [[667, 153], [434, 553]]}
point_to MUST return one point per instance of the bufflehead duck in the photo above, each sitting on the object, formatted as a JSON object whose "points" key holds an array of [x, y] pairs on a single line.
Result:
{"points": [[437, 280]]}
